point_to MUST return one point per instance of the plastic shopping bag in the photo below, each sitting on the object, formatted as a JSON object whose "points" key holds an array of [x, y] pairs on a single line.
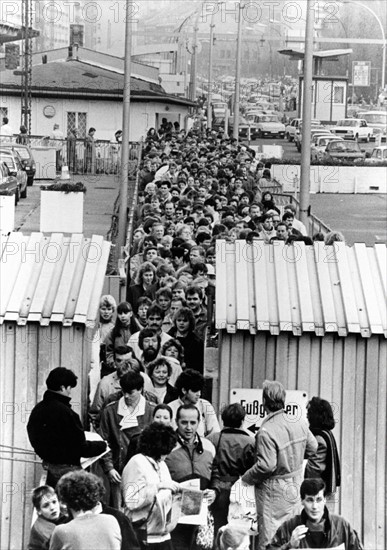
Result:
{"points": [[243, 508]]}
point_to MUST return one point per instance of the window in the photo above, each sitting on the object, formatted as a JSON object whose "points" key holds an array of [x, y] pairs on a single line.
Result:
{"points": [[338, 94], [77, 120], [3, 113]]}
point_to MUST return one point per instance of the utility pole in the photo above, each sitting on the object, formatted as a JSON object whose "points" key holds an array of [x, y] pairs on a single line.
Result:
{"points": [[238, 74], [210, 75], [26, 79], [123, 211], [194, 59], [307, 115]]}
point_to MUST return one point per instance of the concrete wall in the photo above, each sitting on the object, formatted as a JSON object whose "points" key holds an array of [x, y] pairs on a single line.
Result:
{"points": [[105, 116], [334, 179]]}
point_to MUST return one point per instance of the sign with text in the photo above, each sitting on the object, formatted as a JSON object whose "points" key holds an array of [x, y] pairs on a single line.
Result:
{"points": [[251, 401], [361, 73]]}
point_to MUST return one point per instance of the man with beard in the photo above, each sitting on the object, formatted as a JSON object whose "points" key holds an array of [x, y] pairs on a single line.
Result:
{"points": [[154, 321], [122, 420]]}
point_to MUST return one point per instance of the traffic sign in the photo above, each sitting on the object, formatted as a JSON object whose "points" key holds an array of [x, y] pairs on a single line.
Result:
{"points": [[251, 401], [361, 73]]}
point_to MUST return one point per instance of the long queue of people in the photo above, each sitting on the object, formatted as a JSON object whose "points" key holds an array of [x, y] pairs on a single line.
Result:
{"points": [[150, 401]]}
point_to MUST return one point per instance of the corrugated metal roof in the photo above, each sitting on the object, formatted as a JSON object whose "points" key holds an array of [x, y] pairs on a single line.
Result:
{"points": [[298, 288], [51, 278]]}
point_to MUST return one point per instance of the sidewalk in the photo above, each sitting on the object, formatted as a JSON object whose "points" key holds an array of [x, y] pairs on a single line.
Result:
{"points": [[102, 191]]}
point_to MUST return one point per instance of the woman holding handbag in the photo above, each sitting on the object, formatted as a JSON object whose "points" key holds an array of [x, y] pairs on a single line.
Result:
{"points": [[147, 488]]}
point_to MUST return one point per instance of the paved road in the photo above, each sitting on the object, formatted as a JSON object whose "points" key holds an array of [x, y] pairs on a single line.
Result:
{"points": [[361, 218]]}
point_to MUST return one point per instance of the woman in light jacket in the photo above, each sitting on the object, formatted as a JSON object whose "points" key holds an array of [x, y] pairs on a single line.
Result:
{"points": [[147, 487]]}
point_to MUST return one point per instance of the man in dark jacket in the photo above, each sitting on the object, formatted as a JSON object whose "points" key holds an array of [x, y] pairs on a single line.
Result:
{"points": [[121, 420], [315, 527], [55, 431]]}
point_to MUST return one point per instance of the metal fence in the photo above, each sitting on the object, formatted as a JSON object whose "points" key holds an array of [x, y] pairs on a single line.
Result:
{"points": [[82, 157]]}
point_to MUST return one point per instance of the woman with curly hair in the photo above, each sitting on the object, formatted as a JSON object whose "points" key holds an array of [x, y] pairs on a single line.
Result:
{"points": [[145, 285], [173, 349], [326, 463], [82, 493], [147, 487]]}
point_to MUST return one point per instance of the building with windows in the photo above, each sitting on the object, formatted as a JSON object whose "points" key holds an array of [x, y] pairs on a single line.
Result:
{"points": [[76, 87]]}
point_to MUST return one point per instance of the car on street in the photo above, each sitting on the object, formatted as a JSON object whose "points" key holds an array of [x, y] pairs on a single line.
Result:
{"points": [[293, 126], [27, 159], [13, 161], [353, 128], [8, 183], [378, 156], [264, 125], [316, 130], [318, 145], [343, 151], [377, 120]]}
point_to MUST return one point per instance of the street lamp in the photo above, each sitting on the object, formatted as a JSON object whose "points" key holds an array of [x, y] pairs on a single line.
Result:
{"points": [[356, 3], [210, 76], [238, 74]]}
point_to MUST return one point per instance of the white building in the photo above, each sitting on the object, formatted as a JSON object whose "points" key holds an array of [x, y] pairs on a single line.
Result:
{"points": [[87, 90]]}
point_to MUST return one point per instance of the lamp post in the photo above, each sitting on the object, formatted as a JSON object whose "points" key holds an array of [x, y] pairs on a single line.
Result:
{"points": [[307, 114], [210, 75], [356, 3], [238, 74], [123, 210]]}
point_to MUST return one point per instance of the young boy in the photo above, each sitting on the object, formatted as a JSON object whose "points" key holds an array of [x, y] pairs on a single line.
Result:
{"points": [[46, 503]]}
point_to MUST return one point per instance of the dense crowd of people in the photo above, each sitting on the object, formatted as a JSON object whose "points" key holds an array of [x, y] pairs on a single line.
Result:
{"points": [[161, 441]]}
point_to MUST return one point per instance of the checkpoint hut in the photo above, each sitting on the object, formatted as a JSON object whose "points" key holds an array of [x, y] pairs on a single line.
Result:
{"points": [[315, 319], [50, 286]]}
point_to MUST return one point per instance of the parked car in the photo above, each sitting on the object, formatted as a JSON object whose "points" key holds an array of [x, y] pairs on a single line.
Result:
{"points": [[8, 182], [317, 130], [343, 151], [377, 120], [27, 160], [13, 161], [293, 126], [353, 128], [318, 145], [378, 156]]}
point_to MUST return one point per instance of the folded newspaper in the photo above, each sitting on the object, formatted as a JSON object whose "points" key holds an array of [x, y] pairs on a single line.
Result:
{"points": [[86, 462]]}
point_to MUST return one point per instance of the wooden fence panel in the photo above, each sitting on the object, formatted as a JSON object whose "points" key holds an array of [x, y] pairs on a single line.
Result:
{"points": [[350, 373]]}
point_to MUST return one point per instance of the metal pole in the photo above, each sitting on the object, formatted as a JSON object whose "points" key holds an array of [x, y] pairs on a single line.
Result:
{"points": [[238, 74], [123, 211], [307, 114], [194, 60], [210, 76]]}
